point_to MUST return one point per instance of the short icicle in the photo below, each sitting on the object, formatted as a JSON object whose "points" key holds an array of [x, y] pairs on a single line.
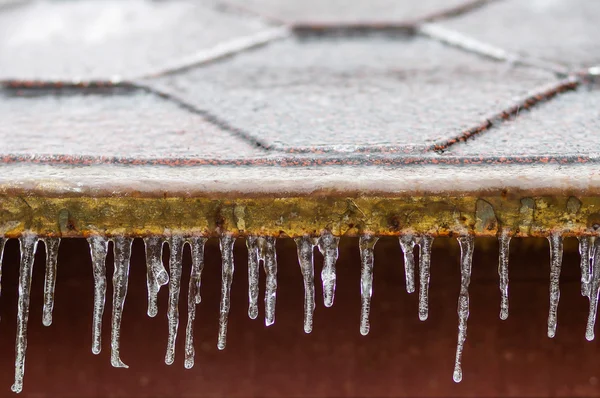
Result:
{"points": [[585, 249], [253, 274], [556, 254], [194, 297], [425, 244], [504, 241], [467, 244], [175, 267], [306, 246], [98, 250], [269, 257], [227, 269], [122, 250], [28, 247], [367, 259], [594, 286], [328, 246], [2, 240], [50, 278], [156, 274], [407, 243]]}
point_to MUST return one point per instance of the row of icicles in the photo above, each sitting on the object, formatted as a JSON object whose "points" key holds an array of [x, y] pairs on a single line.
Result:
{"points": [[262, 249]]}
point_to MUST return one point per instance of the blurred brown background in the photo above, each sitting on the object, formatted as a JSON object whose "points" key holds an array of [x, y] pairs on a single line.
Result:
{"points": [[400, 357]]}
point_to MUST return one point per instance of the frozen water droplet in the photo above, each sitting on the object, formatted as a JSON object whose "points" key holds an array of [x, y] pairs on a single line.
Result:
{"points": [[194, 298], [467, 244], [50, 278], [593, 290], [504, 241], [156, 274], [175, 267], [28, 247], [122, 250], [556, 253], [367, 259], [407, 243], [98, 249], [269, 257], [2, 240], [253, 274], [328, 246], [306, 246], [424, 275], [585, 249], [227, 270]]}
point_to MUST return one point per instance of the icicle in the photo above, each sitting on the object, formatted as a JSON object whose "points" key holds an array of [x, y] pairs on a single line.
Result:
{"points": [[253, 274], [120, 280], [269, 257], [306, 246], [467, 244], [194, 297], [407, 243], [28, 246], [328, 246], [585, 249], [1, 254], [156, 274], [504, 241], [98, 249], [556, 253], [594, 286], [50, 280], [175, 267], [367, 258], [424, 274], [227, 270]]}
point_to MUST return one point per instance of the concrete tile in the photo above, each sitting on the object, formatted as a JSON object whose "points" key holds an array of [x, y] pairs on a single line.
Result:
{"points": [[101, 39], [566, 125], [111, 123], [562, 31], [344, 93], [352, 11]]}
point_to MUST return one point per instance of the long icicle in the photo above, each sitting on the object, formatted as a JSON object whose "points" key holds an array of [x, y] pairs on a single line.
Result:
{"points": [[504, 240], [175, 267], [585, 249], [367, 259], [253, 274], [593, 290], [156, 274], [122, 251], [407, 244], [2, 240], [227, 269], [194, 297], [28, 247], [98, 250], [269, 258], [306, 246], [50, 278], [425, 244], [556, 253], [328, 246], [467, 244]]}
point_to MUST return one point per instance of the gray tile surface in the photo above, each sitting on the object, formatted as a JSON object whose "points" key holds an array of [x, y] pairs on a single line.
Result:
{"points": [[349, 11], [348, 92], [562, 31], [567, 125], [128, 124], [102, 39]]}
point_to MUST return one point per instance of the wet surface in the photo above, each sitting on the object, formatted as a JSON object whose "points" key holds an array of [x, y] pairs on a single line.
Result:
{"points": [[401, 356]]}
